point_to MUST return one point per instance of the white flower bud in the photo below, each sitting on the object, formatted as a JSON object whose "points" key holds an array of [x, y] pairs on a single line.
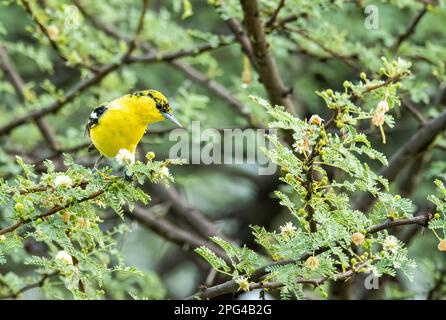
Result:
{"points": [[125, 157], [164, 171], [288, 230], [391, 244], [316, 120], [64, 257], [63, 181]]}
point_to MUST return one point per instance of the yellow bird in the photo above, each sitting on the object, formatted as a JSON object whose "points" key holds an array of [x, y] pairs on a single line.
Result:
{"points": [[117, 127]]}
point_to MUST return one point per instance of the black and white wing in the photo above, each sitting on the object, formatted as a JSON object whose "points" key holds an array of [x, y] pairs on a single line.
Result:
{"points": [[94, 118]]}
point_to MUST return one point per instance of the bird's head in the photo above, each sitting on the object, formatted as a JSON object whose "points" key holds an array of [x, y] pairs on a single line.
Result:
{"points": [[162, 106]]}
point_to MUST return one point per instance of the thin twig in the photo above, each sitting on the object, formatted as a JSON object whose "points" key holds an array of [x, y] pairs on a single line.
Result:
{"points": [[170, 56], [414, 112], [48, 213], [410, 29], [53, 43], [344, 59], [195, 218], [28, 287], [275, 14], [19, 86], [139, 27]]}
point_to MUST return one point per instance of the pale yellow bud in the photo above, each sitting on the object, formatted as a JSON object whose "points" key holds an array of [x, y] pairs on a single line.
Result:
{"points": [[53, 32], [66, 216], [442, 245], [316, 120], [312, 263], [358, 238]]}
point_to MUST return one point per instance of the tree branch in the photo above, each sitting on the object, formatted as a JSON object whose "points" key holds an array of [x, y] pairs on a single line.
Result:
{"points": [[410, 29], [231, 286], [184, 238], [275, 14], [139, 27], [192, 216], [152, 57], [37, 284], [266, 66], [48, 213], [414, 112], [54, 107]]}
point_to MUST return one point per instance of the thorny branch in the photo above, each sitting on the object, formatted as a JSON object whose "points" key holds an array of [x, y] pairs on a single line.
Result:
{"points": [[232, 286], [265, 62]]}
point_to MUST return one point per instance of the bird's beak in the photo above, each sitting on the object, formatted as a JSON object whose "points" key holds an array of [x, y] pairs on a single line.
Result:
{"points": [[171, 118]]}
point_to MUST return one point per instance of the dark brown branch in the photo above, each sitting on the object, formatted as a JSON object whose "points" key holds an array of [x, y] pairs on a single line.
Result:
{"points": [[275, 14], [421, 220], [170, 56], [239, 34], [266, 65], [16, 80], [37, 284], [139, 27], [195, 218], [414, 112], [184, 238], [410, 29]]}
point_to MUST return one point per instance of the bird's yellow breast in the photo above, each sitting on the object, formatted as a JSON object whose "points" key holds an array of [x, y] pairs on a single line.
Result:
{"points": [[123, 124]]}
